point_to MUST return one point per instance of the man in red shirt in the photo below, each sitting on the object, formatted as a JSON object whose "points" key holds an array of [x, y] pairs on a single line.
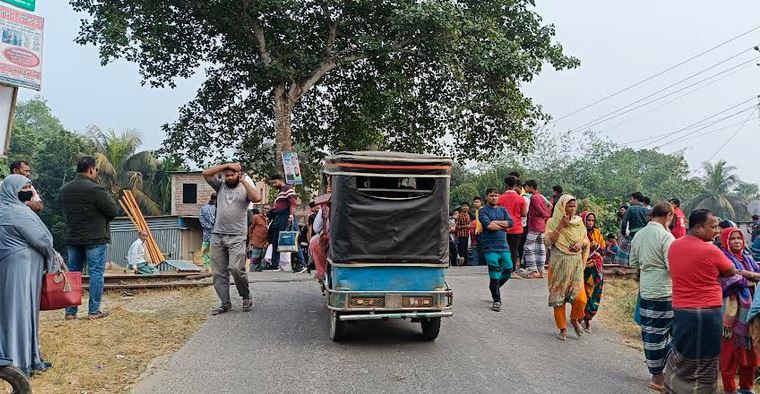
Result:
{"points": [[678, 228], [515, 205], [695, 266]]}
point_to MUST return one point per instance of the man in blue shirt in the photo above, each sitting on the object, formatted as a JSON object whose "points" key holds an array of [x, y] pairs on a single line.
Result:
{"points": [[493, 244]]}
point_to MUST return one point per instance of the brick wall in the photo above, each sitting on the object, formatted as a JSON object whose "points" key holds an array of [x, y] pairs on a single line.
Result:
{"points": [[204, 192]]}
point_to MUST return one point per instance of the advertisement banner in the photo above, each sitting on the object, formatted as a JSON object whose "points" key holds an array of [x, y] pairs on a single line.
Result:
{"points": [[25, 4], [292, 168], [7, 109], [21, 48]]}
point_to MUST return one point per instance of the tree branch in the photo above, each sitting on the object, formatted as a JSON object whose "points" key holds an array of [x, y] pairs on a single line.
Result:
{"points": [[258, 35], [297, 90]]}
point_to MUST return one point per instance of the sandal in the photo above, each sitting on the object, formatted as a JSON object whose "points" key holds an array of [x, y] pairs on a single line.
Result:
{"points": [[561, 336], [219, 310], [577, 329], [532, 275]]}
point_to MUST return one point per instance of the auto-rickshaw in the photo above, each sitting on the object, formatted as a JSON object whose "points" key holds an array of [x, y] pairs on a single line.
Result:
{"points": [[388, 240]]}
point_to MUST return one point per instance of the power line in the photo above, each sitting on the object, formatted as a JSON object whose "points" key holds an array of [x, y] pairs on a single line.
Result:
{"points": [[605, 98], [734, 134], [653, 109], [694, 131], [617, 113], [665, 135], [628, 143]]}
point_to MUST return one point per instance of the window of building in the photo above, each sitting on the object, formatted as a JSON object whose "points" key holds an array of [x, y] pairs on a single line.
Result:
{"points": [[189, 193]]}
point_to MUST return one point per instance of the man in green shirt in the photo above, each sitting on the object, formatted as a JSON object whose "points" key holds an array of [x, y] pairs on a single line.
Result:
{"points": [[649, 253]]}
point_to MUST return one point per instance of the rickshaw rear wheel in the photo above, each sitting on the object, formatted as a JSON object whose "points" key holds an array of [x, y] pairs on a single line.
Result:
{"points": [[336, 327], [431, 327]]}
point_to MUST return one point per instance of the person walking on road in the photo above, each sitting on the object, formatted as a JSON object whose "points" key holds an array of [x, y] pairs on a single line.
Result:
{"points": [[493, 244], [207, 217], [695, 266], [230, 233], [88, 209], [515, 205], [649, 254], [737, 352], [566, 236], [539, 212], [593, 276]]}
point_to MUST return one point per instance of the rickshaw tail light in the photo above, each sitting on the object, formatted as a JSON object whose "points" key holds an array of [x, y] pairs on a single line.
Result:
{"points": [[367, 302], [418, 302]]}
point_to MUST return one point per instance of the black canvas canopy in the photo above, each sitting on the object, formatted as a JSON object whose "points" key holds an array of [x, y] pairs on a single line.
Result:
{"points": [[389, 208]]}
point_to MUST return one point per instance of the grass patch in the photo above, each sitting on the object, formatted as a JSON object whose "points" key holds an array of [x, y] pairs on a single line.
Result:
{"points": [[106, 356], [616, 312]]}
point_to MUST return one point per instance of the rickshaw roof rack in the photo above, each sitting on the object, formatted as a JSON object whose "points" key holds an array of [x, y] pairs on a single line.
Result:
{"points": [[383, 163]]}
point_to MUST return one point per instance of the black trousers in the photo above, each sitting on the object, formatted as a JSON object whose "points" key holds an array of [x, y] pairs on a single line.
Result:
{"points": [[462, 248]]}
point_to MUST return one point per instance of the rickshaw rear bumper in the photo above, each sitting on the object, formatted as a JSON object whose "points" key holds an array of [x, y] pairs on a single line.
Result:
{"points": [[387, 316], [391, 304]]}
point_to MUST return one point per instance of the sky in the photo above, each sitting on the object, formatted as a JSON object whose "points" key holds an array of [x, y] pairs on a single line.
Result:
{"points": [[619, 43]]}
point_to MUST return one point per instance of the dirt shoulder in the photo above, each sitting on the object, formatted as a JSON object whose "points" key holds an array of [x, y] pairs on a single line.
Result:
{"points": [[107, 355]]}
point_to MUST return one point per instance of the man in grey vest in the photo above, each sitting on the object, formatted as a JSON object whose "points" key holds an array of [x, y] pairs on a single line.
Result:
{"points": [[229, 238]]}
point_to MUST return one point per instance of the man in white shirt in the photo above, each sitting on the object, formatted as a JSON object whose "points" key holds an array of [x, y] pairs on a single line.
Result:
{"points": [[136, 256]]}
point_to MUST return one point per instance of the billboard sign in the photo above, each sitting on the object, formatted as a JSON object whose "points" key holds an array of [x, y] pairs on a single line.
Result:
{"points": [[292, 168], [25, 4], [21, 48]]}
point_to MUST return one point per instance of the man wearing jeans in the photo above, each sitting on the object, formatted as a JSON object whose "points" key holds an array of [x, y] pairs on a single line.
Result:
{"points": [[229, 238], [88, 209]]}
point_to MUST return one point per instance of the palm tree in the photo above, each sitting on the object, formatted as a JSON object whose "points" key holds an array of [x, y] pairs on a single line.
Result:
{"points": [[718, 190], [122, 167]]}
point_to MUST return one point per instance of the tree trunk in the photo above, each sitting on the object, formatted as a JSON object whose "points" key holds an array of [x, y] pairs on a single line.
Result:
{"points": [[283, 124]]}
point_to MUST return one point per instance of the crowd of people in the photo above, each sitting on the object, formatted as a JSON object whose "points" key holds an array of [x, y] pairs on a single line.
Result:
{"points": [[696, 275], [696, 305]]}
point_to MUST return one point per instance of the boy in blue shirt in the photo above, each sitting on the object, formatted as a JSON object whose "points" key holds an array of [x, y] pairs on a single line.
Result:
{"points": [[493, 244]]}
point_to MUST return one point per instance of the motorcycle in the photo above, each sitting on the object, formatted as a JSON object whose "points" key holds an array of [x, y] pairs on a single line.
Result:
{"points": [[12, 377]]}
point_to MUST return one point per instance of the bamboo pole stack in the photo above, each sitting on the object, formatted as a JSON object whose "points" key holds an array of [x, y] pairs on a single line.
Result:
{"points": [[130, 207]]}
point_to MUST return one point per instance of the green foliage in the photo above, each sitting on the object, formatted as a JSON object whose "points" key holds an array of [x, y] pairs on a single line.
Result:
{"points": [[722, 192], [122, 167], [601, 177], [390, 74]]}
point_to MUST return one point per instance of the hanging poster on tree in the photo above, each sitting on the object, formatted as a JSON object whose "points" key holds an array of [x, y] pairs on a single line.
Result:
{"points": [[21, 48], [292, 168]]}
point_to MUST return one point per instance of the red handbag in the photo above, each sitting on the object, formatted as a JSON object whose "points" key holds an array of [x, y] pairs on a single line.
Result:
{"points": [[61, 290]]}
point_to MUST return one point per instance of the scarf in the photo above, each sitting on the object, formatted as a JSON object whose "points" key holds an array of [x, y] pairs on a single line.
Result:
{"points": [[572, 234], [13, 212], [737, 293]]}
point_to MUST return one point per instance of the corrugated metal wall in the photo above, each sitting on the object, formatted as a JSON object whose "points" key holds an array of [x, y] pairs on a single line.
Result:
{"points": [[166, 230]]}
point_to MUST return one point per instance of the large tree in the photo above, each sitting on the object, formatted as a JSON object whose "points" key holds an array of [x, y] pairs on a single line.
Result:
{"points": [[421, 76]]}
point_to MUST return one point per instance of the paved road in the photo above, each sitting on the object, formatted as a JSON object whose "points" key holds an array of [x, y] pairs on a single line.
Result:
{"points": [[282, 347]]}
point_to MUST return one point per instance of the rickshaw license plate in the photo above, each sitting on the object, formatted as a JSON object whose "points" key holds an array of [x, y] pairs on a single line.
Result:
{"points": [[393, 301]]}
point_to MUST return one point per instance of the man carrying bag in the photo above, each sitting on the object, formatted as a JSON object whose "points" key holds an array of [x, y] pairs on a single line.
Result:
{"points": [[284, 223]]}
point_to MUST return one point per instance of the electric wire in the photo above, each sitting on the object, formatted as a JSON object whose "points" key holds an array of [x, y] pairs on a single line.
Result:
{"points": [[733, 135], [616, 113], [677, 139], [605, 98]]}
